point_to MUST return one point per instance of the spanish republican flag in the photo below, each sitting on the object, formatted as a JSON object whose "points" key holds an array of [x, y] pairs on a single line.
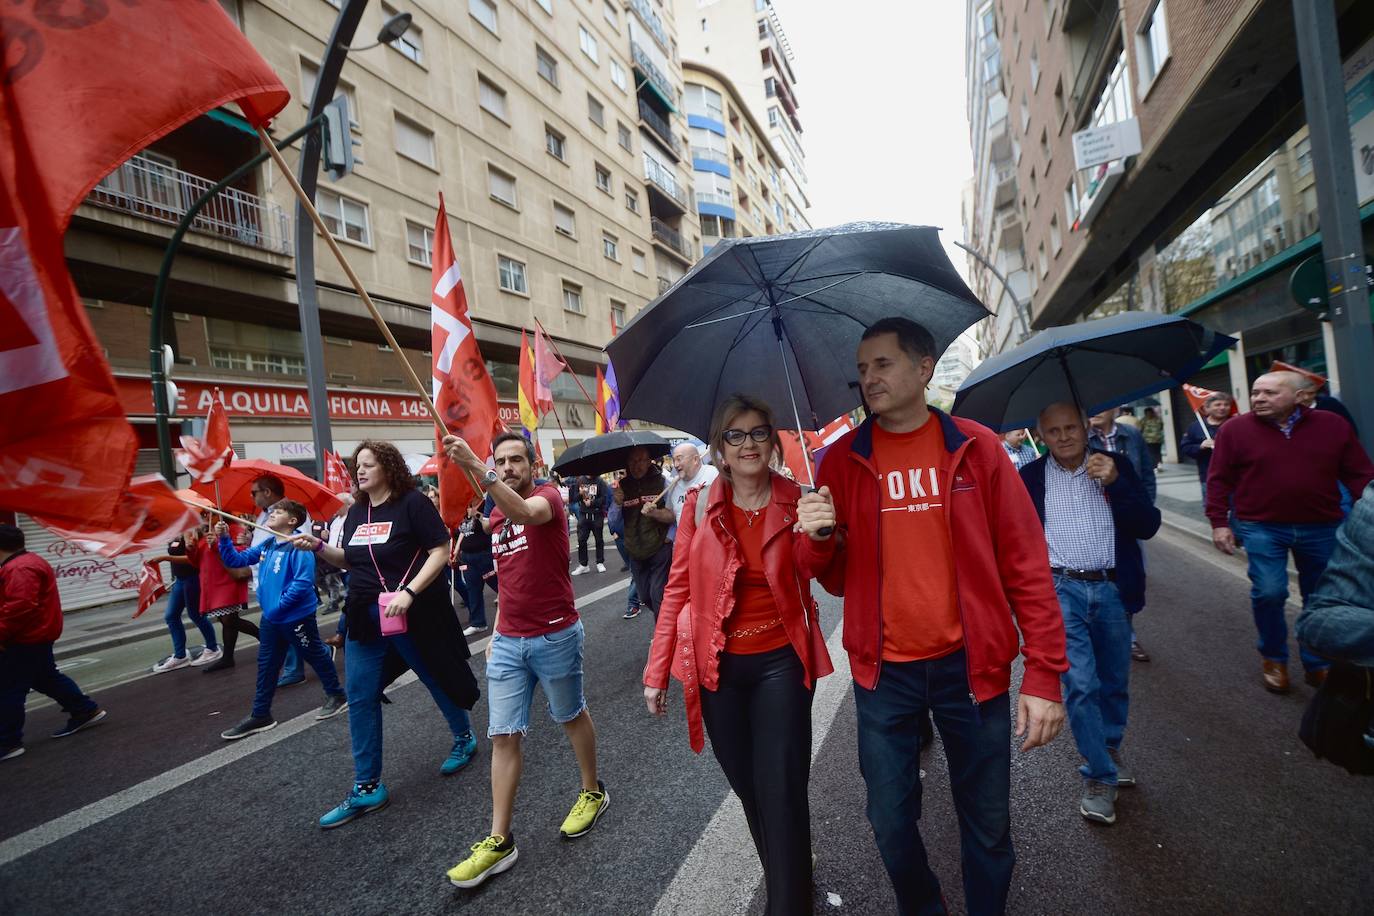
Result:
{"points": [[529, 410], [603, 397]]}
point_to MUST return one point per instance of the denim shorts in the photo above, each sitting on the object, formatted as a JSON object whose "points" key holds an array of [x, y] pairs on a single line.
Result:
{"points": [[553, 660]]}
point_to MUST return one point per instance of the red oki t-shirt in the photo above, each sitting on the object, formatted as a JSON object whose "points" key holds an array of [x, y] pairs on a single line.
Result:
{"points": [[534, 587]]}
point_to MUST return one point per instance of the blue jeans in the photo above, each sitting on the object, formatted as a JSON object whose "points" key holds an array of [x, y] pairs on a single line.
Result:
{"points": [[273, 641], [479, 573], [185, 596], [366, 661], [25, 667], [977, 740], [516, 664], [1098, 634], [632, 600], [1266, 547]]}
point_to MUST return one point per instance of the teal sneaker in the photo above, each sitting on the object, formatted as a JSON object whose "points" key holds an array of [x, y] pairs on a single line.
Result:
{"points": [[356, 804], [464, 748]]}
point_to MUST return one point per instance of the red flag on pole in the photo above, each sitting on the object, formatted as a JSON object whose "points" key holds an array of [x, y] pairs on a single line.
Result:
{"points": [[336, 476], [84, 88], [206, 459], [547, 366], [148, 515], [150, 587], [463, 390], [1198, 396]]}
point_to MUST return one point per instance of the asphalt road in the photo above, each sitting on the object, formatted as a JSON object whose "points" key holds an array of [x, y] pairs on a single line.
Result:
{"points": [[151, 811]]}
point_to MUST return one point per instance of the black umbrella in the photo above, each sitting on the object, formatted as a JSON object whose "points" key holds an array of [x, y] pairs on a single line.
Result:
{"points": [[1094, 364], [609, 452], [780, 317]]}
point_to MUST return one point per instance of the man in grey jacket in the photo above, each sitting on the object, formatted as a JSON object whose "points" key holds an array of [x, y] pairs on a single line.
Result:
{"points": [[1338, 622]]}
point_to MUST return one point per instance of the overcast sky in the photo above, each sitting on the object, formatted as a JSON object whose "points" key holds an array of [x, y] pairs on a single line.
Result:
{"points": [[881, 86]]}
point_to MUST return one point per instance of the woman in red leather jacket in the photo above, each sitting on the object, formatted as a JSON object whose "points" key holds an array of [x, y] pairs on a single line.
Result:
{"points": [[739, 628]]}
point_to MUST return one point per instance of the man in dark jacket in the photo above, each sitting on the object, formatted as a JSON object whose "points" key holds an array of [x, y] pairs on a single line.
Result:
{"points": [[30, 622], [588, 497], [1095, 510]]}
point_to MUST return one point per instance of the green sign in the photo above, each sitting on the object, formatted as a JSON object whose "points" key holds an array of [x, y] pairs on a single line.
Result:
{"points": [[1308, 284]]}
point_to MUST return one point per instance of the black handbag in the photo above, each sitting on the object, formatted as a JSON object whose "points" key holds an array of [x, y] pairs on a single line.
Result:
{"points": [[1338, 724]]}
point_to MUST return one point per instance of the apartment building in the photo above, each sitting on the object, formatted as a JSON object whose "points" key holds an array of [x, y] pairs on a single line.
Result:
{"points": [[743, 40], [737, 174]]}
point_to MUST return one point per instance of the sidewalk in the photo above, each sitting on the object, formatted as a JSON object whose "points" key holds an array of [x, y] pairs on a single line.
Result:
{"points": [[1180, 500], [109, 625]]}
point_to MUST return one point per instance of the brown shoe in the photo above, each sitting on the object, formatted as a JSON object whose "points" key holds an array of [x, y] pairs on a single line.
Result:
{"points": [[1315, 678], [1275, 676]]}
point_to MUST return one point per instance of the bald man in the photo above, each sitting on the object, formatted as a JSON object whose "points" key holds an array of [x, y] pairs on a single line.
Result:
{"points": [[1280, 464], [691, 473]]}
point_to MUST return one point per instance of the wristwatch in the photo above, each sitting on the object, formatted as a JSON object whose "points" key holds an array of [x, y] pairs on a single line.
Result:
{"points": [[490, 477], [409, 591]]}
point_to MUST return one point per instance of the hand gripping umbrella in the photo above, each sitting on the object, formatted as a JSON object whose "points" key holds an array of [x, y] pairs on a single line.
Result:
{"points": [[780, 317]]}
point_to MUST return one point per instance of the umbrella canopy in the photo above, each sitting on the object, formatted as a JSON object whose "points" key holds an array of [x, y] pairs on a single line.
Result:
{"points": [[1095, 364], [609, 452], [780, 317], [429, 469], [236, 482]]}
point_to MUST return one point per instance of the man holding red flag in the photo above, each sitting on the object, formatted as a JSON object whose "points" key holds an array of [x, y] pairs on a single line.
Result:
{"points": [[463, 390], [66, 448]]}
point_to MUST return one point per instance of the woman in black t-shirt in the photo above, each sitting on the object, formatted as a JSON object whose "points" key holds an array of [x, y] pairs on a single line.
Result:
{"points": [[394, 542]]}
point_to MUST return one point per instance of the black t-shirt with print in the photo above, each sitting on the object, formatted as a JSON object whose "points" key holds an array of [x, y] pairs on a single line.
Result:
{"points": [[402, 531], [177, 548]]}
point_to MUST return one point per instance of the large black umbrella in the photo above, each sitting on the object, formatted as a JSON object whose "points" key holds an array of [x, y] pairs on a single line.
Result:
{"points": [[780, 317], [609, 452], [1094, 364]]}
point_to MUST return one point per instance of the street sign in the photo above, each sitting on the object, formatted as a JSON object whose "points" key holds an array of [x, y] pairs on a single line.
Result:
{"points": [[1308, 285], [1097, 145]]}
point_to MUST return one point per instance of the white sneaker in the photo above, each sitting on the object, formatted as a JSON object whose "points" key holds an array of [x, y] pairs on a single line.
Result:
{"points": [[171, 663], [208, 656], [580, 570], [601, 567], [472, 631]]}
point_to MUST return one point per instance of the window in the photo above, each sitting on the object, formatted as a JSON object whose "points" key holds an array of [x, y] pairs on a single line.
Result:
{"points": [[637, 262], [276, 363], [501, 186], [419, 244], [1025, 113], [547, 5], [554, 142], [1302, 153], [1059, 107], [596, 111], [547, 65], [512, 275], [1152, 46], [572, 298], [484, 11], [492, 98], [1042, 261], [1071, 210], [254, 348], [611, 13], [624, 136], [704, 101], [564, 221], [603, 178], [618, 313], [1035, 68], [412, 43], [384, 348], [1056, 237], [618, 75], [1045, 147], [343, 217], [631, 200], [414, 142], [610, 247], [587, 41], [310, 74]]}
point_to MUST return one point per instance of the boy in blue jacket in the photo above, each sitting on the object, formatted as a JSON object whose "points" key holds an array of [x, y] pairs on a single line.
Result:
{"points": [[286, 591]]}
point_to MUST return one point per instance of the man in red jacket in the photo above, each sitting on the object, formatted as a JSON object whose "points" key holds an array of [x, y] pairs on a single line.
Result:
{"points": [[30, 622], [941, 557], [1279, 466]]}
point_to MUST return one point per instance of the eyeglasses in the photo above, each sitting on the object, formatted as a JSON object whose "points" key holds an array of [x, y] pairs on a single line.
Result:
{"points": [[759, 434]]}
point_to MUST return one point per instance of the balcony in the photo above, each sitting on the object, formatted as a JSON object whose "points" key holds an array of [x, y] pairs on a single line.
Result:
{"points": [[667, 235], [651, 21], [720, 199], [711, 155], [999, 140], [662, 179], [1007, 232], [150, 189], [1006, 186], [656, 80], [1103, 37], [660, 126]]}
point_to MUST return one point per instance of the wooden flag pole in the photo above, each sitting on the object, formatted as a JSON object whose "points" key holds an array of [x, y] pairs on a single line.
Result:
{"points": [[232, 518], [362, 293], [573, 373]]}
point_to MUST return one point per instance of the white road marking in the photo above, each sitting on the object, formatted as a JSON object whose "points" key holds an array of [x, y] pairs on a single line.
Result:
{"points": [[59, 828], [715, 877]]}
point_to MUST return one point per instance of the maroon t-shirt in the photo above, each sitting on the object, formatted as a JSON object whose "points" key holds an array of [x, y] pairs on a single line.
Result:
{"points": [[533, 583]]}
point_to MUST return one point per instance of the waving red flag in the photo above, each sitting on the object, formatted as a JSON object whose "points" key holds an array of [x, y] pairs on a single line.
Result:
{"points": [[547, 366], [148, 515], [82, 88], [150, 587], [463, 390], [206, 459], [336, 476]]}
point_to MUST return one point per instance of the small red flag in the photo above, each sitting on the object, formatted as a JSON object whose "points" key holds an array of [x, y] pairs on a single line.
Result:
{"points": [[150, 587], [1198, 396], [149, 515], [463, 390], [336, 476], [547, 366], [206, 459]]}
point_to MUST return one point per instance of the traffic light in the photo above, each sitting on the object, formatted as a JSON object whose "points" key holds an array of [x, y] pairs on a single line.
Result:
{"points": [[337, 140], [168, 358]]}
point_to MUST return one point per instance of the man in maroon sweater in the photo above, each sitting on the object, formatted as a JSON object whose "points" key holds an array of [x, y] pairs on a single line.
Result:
{"points": [[1280, 464]]}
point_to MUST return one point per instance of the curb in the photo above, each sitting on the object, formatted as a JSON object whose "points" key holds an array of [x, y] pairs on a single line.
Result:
{"points": [[114, 640]]}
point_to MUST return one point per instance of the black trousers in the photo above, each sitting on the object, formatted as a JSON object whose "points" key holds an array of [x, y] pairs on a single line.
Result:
{"points": [[651, 577], [587, 526], [759, 720]]}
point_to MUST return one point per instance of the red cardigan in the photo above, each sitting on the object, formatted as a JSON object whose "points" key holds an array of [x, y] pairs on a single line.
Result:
{"points": [[30, 611], [690, 637], [1001, 563]]}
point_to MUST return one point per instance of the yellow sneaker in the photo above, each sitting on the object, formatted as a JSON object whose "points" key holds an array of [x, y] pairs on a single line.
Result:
{"points": [[490, 857], [586, 811]]}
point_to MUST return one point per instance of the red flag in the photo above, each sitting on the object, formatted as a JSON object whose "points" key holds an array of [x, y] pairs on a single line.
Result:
{"points": [[148, 515], [463, 390], [1198, 396], [206, 459], [1316, 378], [150, 587], [336, 476], [84, 88], [547, 366]]}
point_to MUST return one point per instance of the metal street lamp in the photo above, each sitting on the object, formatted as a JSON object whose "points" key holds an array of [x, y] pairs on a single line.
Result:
{"points": [[1016, 303], [391, 30]]}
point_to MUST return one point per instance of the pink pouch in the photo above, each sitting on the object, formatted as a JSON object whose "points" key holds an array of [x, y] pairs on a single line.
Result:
{"points": [[391, 626]]}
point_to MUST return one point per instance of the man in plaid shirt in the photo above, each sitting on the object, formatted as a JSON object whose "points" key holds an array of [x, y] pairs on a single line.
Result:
{"points": [[1095, 510]]}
